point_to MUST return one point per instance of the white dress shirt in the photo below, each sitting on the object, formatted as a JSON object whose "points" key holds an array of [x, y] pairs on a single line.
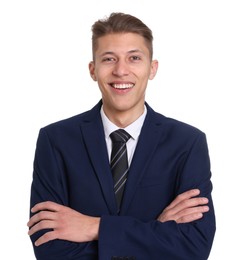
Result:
{"points": [[133, 129]]}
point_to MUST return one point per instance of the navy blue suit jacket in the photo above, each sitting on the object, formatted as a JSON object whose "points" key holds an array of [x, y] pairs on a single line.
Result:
{"points": [[71, 167]]}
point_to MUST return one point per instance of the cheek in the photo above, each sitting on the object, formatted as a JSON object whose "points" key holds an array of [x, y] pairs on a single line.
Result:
{"points": [[101, 74]]}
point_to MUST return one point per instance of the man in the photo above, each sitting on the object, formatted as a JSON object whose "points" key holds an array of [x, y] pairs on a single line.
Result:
{"points": [[158, 208]]}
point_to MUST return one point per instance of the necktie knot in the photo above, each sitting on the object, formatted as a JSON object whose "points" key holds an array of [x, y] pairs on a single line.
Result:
{"points": [[120, 135]]}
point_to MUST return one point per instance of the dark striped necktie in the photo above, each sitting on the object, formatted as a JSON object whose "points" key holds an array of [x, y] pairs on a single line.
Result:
{"points": [[119, 162]]}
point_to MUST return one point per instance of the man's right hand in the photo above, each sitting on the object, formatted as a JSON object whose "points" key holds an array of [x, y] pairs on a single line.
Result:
{"points": [[186, 207]]}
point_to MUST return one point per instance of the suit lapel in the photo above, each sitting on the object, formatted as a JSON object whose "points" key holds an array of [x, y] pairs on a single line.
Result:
{"points": [[93, 136], [147, 143]]}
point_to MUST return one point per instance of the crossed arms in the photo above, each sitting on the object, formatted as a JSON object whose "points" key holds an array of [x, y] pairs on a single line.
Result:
{"points": [[68, 224]]}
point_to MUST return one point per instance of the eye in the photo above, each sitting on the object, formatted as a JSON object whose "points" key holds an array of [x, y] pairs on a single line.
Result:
{"points": [[135, 58], [108, 59]]}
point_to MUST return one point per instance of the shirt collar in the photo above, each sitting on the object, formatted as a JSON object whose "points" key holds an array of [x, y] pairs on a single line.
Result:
{"points": [[133, 129]]}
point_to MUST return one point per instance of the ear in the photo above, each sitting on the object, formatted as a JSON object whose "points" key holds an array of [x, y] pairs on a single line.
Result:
{"points": [[91, 67], [153, 70]]}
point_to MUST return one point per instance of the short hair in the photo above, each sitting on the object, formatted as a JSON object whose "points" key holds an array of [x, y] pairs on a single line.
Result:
{"points": [[121, 23]]}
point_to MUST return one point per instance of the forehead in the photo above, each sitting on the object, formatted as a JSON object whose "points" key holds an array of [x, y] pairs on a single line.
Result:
{"points": [[121, 42]]}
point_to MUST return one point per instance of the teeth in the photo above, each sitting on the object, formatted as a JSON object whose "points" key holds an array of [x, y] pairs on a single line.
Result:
{"points": [[122, 86]]}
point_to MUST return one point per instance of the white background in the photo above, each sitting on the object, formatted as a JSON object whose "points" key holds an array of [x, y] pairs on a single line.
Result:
{"points": [[45, 47]]}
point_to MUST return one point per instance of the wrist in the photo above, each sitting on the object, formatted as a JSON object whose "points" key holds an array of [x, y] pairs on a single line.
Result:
{"points": [[95, 228]]}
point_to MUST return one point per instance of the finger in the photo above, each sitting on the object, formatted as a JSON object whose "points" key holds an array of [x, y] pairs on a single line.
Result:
{"points": [[187, 204], [184, 196], [42, 215], [184, 208], [193, 210], [46, 205], [186, 215], [192, 214], [193, 202], [189, 218], [45, 224], [48, 236]]}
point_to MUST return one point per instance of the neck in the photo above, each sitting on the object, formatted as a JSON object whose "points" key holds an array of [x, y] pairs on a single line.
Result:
{"points": [[123, 118]]}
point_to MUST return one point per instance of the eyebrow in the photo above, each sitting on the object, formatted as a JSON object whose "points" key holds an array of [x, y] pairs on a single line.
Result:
{"points": [[128, 52]]}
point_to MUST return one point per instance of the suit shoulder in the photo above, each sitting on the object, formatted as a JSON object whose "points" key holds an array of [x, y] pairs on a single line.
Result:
{"points": [[178, 125], [75, 120], [70, 121], [70, 125]]}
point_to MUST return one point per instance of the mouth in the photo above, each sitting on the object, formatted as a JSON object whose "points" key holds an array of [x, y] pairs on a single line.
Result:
{"points": [[122, 85]]}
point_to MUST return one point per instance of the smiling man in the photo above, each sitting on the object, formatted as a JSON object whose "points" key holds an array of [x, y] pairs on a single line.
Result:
{"points": [[122, 66], [121, 181]]}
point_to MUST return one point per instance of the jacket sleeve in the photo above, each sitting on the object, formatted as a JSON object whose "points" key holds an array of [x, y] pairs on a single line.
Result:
{"points": [[49, 184], [127, 236]]}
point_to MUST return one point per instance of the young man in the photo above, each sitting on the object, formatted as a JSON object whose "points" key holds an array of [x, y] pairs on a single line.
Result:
{"points": [[158, 208]]}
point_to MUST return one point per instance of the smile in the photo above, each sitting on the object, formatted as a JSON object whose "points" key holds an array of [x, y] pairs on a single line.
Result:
{"points": [[122, 86]]}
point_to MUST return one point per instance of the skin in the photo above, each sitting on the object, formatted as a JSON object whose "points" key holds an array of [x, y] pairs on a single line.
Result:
{"points": [[121, 60]]}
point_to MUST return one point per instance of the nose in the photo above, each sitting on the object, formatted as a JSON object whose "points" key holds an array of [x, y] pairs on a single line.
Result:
{"points": [[121, 68]]}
